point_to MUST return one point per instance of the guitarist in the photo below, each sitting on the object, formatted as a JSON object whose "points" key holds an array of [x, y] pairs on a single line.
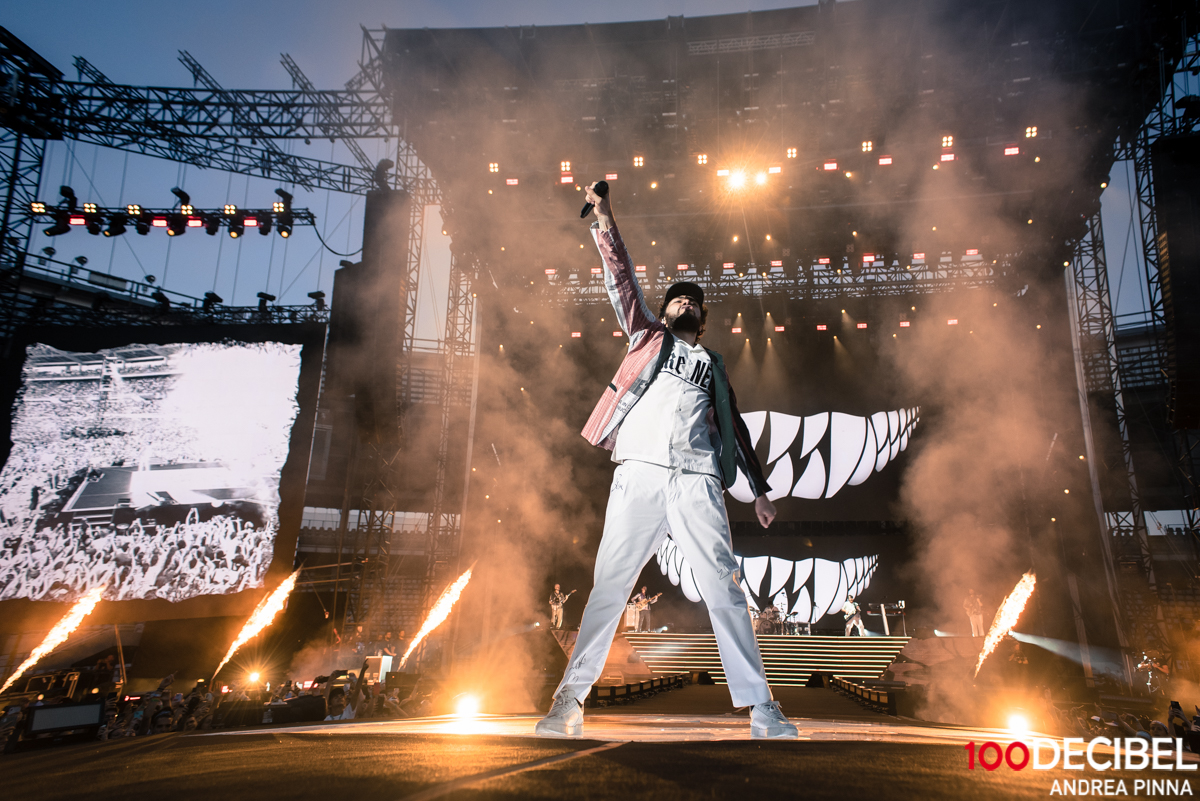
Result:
{"points": [[557, 600], [642, 603]]}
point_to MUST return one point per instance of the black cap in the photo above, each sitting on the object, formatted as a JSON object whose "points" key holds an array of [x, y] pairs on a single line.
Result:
{"points": [[678, 288]]}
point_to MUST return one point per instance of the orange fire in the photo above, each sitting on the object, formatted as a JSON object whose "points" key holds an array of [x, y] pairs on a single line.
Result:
{"points": [[58, 635], [440, 611], [1006, 618], [264, 613]]}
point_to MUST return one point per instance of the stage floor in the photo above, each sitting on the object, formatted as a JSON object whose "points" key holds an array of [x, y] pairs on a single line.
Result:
{"points": [[652, 749]]}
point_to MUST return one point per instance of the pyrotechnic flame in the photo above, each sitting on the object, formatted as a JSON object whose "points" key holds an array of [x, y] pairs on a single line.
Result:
{"points": [[439, 612], [264, 613], [1006, 618], [58, 635]]}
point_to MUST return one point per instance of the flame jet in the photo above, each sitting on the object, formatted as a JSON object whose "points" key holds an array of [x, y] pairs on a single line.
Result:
{"points": [[263, 614], [59, 634], [1007, 617], [439, 612]]}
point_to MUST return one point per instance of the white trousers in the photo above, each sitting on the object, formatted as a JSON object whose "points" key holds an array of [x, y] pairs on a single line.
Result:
{"points": [[856, 620], [977, 625], [556, 614], [646, 502]]}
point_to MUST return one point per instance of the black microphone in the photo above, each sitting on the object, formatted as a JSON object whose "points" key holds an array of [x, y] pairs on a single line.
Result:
{"points": [[601, 189]]}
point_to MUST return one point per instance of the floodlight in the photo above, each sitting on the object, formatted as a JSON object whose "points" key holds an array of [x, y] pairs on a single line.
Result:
{"points": [[760, 178], [237, 226], [184, 198], [737, 179], [176, 224], [37, 207], [68, 195]]}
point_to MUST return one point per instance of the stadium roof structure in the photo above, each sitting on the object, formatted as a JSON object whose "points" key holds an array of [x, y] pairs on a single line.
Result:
{"points": [[835, 131]]}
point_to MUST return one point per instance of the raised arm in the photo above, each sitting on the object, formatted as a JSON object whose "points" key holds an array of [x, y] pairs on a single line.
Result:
{"points": [[620, 278]]}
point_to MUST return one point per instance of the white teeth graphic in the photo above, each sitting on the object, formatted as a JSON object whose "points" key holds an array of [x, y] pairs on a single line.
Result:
{"points": [[811, 588], [857, 447]]}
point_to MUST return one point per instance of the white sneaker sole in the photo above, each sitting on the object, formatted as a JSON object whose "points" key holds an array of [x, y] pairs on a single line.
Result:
{"points": [[760, 733], [543, 729]]}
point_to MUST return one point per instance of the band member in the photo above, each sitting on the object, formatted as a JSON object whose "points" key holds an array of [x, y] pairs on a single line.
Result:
{"points": [[557, 599], [853, 617], [768, 621], [973, 606], [641, 603], [672, 422]]}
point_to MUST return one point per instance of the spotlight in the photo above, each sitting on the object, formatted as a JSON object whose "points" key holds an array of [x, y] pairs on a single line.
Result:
{"points": [[230, 209], [639, 161], [68, 196], [116, 225], [264, 224], [868, 146], [947, 141], [176, 225], [237, 226], [162, 300], [564, 166], [737, 179], [62, 224], [184, 198], [48, 254], [263, 300], [211, 299], [133, 210], [254, 677], [760, 178], [141, 226], [37, 207], [318, 299], [93, 225], [1031, 132], [212, 224], [494, 167], [285, 225], [791, 152], [186, 209], [702, 158], [286, 197]]}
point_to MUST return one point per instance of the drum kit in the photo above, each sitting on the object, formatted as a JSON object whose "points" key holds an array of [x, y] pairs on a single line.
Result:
{"points": [[770, 621]]}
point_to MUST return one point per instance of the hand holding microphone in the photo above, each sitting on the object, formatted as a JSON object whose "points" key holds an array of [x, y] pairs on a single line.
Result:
{"points": [[599, 191]]}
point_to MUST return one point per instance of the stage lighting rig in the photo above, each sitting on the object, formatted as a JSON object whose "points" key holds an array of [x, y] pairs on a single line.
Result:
{"points": [[211, 299], [115, 221]]}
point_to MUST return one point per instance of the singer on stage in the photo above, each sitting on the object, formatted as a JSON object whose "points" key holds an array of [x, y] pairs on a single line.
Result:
{"points": [[671, 420]]}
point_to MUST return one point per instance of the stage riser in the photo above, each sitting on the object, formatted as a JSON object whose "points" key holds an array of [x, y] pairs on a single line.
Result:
{"points": [[789, 660]]}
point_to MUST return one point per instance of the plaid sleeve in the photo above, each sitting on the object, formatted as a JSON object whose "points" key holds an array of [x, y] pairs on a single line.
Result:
{"points": [[620, 280]]}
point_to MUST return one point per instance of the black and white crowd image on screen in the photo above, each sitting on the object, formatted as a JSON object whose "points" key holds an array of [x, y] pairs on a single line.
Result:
{"points": [[151, 469]]}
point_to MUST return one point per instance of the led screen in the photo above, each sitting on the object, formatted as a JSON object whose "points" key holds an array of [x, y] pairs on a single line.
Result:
{"points": [[153, 469]]}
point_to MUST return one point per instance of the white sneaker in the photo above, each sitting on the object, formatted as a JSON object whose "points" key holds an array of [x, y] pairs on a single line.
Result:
{"points": [[565, 718], [767, 720]]}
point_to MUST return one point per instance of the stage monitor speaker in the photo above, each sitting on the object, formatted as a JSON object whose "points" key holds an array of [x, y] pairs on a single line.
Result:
{"points": [[1176, 166]]}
